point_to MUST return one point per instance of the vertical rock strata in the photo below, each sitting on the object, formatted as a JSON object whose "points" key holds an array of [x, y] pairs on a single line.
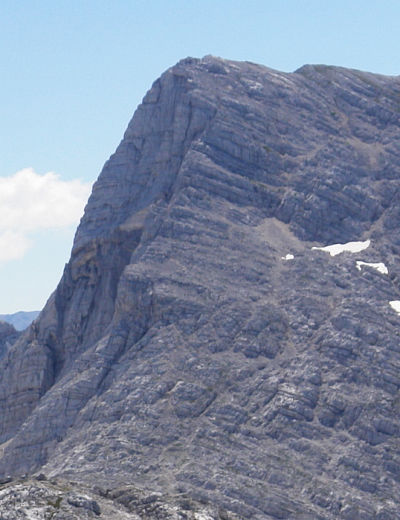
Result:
{"points": [[181, 352], [8, 335]]}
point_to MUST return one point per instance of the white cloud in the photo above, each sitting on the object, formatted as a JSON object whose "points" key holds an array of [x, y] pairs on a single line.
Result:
{"points": [[32, 202], [13, 245]]}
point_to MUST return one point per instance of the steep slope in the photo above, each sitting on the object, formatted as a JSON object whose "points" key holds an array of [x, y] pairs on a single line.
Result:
{"points": [[8, 335], [183, 351]]}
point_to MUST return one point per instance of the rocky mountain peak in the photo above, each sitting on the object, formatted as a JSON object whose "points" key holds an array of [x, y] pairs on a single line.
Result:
{"points": [[203, 342]]}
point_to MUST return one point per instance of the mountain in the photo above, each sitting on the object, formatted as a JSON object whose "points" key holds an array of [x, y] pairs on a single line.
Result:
{"points": [[20, 320], [201, 348]]}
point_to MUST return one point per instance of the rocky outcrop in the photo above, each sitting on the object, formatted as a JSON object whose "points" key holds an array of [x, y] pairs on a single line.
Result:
{"points": [[8, 335], [24, 499], [197, 345]]}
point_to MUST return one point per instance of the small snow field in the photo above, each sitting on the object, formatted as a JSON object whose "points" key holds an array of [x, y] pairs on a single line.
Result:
{"points": [[379, 266], [349, 247], [395, 304]]}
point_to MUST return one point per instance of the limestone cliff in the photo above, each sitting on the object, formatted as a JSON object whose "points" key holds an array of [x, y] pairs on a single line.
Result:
{"points": [[8, 335], [197, 345]]}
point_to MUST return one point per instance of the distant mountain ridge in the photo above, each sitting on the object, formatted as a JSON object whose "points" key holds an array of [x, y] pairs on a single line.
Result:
{"points": [[21, 319], [204, 346]]}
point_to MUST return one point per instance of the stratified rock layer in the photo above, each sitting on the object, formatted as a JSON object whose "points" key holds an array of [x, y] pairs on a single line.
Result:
{"points": [[8, 335], [38, 498], [183, 351]]}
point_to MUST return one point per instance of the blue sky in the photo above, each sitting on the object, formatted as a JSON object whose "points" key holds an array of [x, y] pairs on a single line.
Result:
{"points": [[73, 72]]}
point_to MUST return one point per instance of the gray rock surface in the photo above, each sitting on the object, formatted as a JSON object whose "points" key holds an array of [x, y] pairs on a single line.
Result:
{"points": [[27, 499], [8, 335], [182, 353]]}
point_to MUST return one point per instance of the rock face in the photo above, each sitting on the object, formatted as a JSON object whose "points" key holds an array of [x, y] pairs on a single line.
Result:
{"points": [[197, 346], [8, 335], [27, 499]]}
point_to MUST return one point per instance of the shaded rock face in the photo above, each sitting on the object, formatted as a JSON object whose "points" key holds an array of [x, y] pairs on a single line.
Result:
{"points": [[8, 335], [183, 351]]}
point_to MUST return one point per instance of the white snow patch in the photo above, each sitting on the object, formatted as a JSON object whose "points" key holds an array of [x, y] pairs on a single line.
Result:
{"points": [[379, 266], [350, 247], [202, 516], [288, 257], [395, 304]]}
